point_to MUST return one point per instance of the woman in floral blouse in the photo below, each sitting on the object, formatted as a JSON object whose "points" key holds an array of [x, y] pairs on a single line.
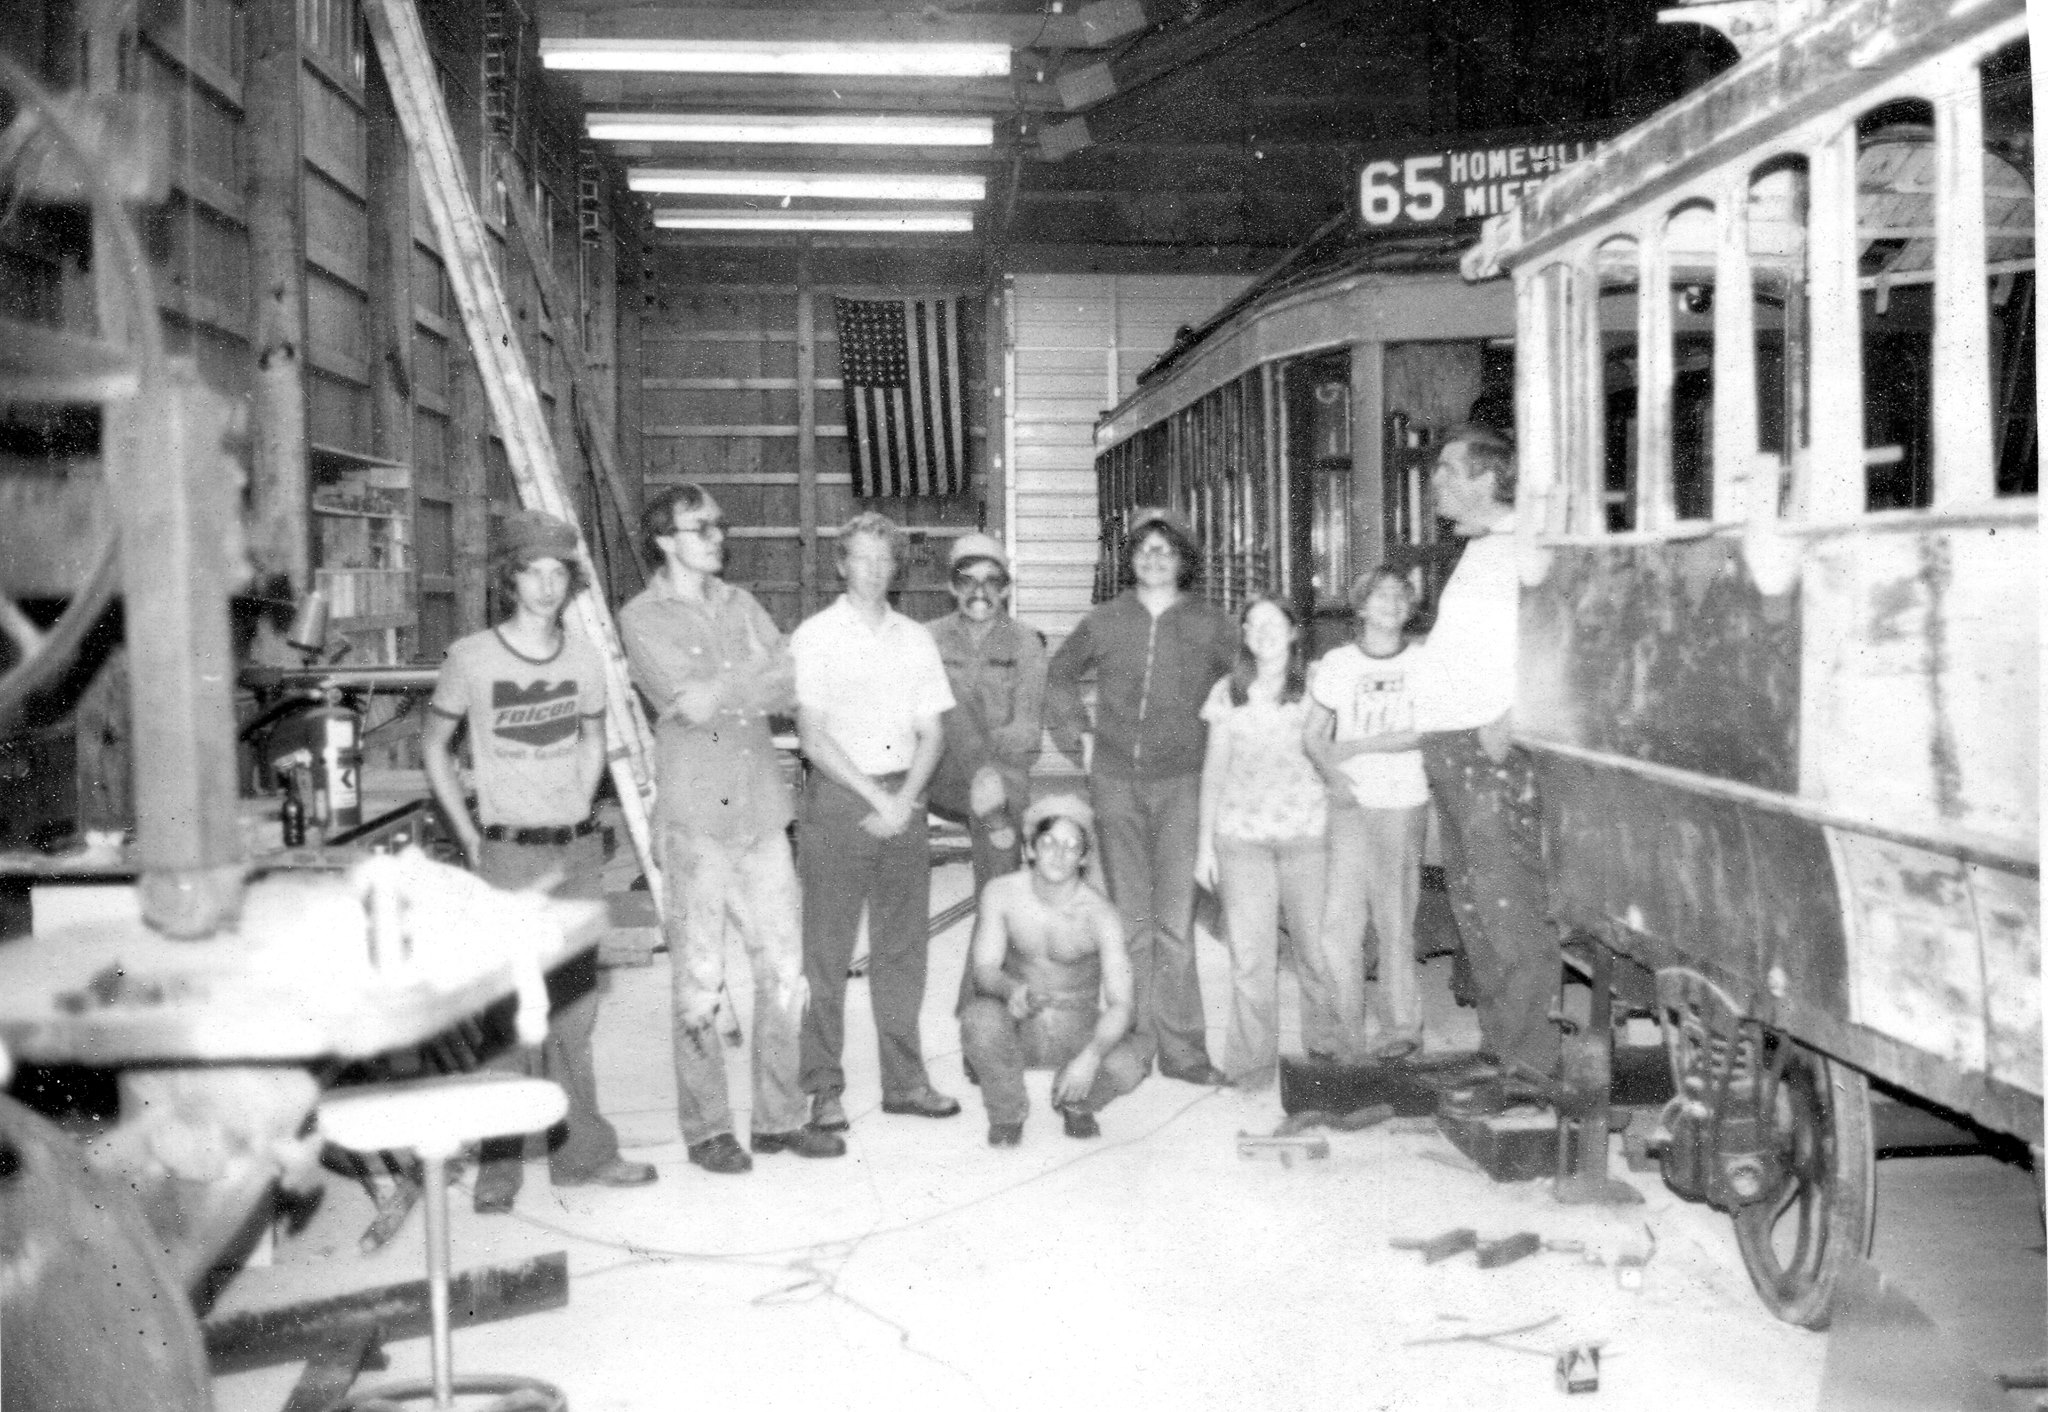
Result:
{"points": [[1263, 815]]}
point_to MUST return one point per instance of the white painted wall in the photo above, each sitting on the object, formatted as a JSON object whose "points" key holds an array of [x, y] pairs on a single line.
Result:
{"points": [[1073, 348]]}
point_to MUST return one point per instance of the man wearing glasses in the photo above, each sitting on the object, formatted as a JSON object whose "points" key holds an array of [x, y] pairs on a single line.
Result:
{"points": [[996, 667], [714, 667], [1154, 651]]}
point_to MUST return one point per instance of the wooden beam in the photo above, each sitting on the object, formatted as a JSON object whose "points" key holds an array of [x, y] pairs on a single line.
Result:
{"points": [[280, 488], [262, 1338], [388, 169]]}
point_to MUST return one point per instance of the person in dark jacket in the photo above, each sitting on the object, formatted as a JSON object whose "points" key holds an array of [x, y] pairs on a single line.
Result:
{"points": [[1154, 650]]}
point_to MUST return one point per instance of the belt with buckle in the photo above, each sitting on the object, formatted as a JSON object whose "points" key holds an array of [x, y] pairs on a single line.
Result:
{"points": [[537, 837]]}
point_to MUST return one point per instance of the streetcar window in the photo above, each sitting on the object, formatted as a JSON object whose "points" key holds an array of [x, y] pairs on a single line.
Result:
{"points": [[1618, 268], [1895, 235], [1777, 242], [1689, 416], [2008, 105]]}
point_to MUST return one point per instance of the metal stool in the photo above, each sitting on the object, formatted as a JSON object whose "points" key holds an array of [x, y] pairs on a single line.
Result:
{"points": [[437, 1118]]}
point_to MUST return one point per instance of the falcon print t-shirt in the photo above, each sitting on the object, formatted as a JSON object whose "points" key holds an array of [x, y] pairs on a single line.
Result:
{"points": [[525, 718]]}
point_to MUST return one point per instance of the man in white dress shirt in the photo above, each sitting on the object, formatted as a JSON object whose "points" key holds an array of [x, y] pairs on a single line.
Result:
{"points": [[870, 691]]}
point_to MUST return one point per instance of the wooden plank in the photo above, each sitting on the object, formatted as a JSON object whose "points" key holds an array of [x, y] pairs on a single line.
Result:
{"points": [[333, 1369], [262, 1338], [742, 384], [416, 96]]}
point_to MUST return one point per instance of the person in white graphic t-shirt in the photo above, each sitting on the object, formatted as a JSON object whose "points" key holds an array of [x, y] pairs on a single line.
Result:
{"points": [[1362, 737]]}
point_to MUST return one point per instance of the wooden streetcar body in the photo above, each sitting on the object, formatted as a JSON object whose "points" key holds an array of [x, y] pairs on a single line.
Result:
{"points": [[1271, 430], [1780, 678]]}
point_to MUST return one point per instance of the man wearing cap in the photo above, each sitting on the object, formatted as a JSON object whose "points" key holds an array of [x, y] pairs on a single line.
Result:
{"points": [[1155, 651], [1052, 982], [532, 695], [870, 691], [713, 665], [996, 668]]}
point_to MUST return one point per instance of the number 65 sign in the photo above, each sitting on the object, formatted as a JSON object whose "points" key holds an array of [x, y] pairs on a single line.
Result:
{"points": [[1414, 186]]}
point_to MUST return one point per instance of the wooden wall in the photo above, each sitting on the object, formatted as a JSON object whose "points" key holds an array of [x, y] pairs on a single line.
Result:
{"points": [[725, 341]]}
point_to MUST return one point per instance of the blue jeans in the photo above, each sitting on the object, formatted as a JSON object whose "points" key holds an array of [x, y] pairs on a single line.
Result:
{"points": [[845, 868], [1147, 833], [1375, 880], [749, 885], [1493, 852], [1001, 1048], [1258, 882], [584, 1140]]}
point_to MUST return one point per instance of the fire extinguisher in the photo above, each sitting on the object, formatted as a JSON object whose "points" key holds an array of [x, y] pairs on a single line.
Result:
{"points": [[337, 740]]}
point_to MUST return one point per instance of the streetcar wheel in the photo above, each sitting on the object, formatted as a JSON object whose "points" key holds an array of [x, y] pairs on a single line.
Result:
{"points": [[1798, 1243]]}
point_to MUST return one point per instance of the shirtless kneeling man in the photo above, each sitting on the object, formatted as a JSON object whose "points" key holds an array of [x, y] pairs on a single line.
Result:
{"points": [[1052, 982]]}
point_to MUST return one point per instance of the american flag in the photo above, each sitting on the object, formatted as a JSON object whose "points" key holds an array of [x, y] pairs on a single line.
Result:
{"points": [[900, 359]]}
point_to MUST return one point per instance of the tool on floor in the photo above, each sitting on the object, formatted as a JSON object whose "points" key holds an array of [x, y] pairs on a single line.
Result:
{"points": [[1285, 1146], [1578, 1368], [1439, 1247], [1508, 1249]]}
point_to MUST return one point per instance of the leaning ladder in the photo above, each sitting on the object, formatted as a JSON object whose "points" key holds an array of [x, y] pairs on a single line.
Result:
{"points": [[486, 318]]}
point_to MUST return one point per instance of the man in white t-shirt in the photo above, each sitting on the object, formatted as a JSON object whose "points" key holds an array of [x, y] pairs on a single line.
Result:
{"points": [[870, 692], [531, 694], [1484, 785]]}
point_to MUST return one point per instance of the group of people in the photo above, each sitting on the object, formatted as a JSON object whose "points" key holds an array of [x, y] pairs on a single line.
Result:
{"points": [[1217, 758]]}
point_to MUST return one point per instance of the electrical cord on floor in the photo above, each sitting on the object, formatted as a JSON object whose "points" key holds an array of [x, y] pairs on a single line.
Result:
{"points": [[764, 1256]]}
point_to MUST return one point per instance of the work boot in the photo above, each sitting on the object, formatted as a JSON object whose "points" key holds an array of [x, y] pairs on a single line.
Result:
{"points": [[1080, 1122], [1005, 1134], [828, 1114], [615, 1172], [804, 1142], [721, 1155]]}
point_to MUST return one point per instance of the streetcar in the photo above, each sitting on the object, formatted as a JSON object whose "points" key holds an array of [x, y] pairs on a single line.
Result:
{"points": [[1778, 530], [1296, 427]]}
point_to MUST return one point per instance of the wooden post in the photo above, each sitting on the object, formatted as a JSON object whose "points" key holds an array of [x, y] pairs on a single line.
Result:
{"points": [[1368, 454], [391, 297], [279, 485], [806, 433], [171, 482], [105, 750]]}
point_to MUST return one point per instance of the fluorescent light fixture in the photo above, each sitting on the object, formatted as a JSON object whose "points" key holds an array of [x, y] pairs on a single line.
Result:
{"points": [[823, 57], [897, 221], [847, 186], [826, 129]]}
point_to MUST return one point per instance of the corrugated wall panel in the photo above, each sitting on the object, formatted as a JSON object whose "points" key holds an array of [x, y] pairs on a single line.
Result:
{"points": [[1077, 344]]}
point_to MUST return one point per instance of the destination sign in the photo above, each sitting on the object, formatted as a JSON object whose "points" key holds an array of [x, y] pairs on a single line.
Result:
{"points": [[1413, 186]]}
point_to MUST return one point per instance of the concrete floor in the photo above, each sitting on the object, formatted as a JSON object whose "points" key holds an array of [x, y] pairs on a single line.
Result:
{"points": [[1151, 1268]]}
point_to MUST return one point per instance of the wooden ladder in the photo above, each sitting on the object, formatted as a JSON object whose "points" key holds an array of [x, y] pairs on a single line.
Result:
{"points": [[515, 405]]}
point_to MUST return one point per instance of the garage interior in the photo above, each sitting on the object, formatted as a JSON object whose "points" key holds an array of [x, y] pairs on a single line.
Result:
{"points": [[221, 201]]}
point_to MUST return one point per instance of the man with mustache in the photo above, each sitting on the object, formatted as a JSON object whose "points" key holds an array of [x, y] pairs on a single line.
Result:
{"points": [[996, 667], [532, 696]]}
